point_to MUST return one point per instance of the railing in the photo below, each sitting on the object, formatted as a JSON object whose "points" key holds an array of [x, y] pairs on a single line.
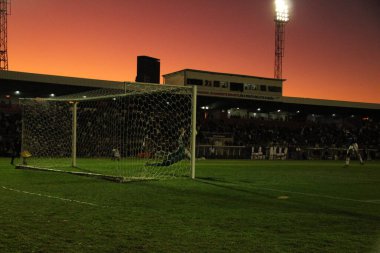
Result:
{"points": [[244, 152], [223, 152]]}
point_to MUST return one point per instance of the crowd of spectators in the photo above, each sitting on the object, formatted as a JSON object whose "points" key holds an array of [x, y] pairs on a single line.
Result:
{"points": [[100, 128]]}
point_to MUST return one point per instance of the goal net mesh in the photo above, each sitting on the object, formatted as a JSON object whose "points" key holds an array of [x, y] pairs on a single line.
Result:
{"points": [[127, 133]]}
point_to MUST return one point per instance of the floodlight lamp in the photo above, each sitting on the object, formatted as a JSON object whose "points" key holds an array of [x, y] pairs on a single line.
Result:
{"points": [[282, 10]]}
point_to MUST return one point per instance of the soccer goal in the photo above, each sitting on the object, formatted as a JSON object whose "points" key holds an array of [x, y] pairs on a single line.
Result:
{"points": [[135, 132]]}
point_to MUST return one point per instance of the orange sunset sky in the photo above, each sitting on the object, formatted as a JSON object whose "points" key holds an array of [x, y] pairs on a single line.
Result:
{"points": [[332, 47]]}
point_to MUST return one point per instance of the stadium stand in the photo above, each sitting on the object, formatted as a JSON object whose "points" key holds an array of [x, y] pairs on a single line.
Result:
{"points": [[317, 132]]}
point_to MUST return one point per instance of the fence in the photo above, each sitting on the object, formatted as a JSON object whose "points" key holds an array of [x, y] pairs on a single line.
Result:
{"points": [[272, 153]]}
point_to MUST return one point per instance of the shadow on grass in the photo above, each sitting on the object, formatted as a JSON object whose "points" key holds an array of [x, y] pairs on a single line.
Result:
{"points": [[222, 183], [214, 179], [308, 205]]}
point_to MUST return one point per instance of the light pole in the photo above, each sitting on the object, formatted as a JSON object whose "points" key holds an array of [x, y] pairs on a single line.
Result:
{"points": [[281, 18], [4, 12]]}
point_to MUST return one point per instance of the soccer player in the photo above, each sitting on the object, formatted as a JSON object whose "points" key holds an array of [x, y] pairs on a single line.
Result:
{"points": [[178, 155], [14, 150], [116, 154], [353, 148], [24, 155]]}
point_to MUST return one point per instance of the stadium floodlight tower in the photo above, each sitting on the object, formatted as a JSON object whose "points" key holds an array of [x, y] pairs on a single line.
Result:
{"points": [[4, 12], [281, 18]]}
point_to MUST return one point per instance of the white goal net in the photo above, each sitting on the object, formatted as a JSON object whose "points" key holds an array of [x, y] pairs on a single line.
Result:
{"points": [[139, 131]]}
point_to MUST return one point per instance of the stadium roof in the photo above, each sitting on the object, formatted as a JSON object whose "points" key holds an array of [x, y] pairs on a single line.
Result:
{"points": [[219, 73], [13, 80], [53, 79], [333, 103], [39, 85]]}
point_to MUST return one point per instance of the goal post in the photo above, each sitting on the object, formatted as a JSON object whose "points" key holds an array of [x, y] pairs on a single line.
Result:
{"points": [[135, 132], [74, 136], [193, 130]]}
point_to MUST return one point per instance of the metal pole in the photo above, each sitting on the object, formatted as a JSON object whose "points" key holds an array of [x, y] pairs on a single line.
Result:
{"points": [[193, 130], [22, 148], [4, 12], [74, 136]]}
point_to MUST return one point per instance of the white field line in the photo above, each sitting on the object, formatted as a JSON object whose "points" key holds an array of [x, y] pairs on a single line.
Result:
{"points": [[49, 196], [375, 201]]}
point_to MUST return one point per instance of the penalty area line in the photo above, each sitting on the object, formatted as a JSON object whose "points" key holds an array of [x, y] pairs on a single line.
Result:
{"points": [[49, 196]]}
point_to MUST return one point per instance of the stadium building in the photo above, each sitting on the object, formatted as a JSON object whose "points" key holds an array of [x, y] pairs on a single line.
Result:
{"points": [[228, 91], [237, 114]]}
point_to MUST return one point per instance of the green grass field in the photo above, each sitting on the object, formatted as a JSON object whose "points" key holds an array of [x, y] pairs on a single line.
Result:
{"points": [[233, 206]]}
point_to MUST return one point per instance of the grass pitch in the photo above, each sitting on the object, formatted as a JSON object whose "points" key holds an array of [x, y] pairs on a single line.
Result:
{"points": [[232, 206]]}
